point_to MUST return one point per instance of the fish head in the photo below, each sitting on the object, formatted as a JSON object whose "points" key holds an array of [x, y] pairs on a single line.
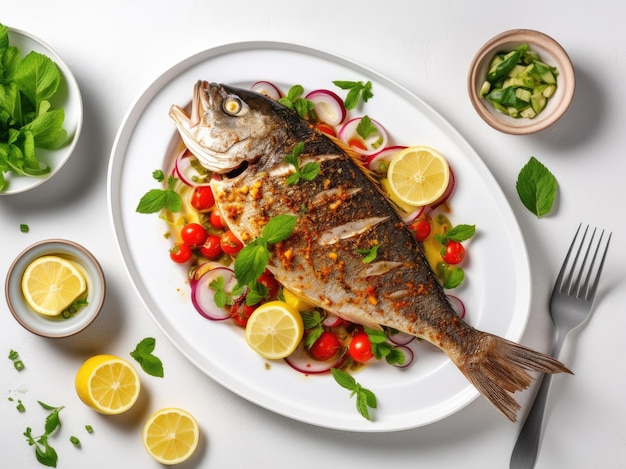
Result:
{"points": [[228, 127]]}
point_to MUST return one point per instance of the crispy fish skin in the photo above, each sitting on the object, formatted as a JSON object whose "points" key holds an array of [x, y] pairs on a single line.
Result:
{"points": [[245, 137]]}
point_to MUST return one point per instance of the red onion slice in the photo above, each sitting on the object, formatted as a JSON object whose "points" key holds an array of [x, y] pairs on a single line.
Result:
{"points": [[373, 144], [267, 89], [409, 356], [332, 320], [328, 106], [374, 161], [187, 173], [400, 338], [447, 193], [202, 296], [457, 305], [301, 361]]}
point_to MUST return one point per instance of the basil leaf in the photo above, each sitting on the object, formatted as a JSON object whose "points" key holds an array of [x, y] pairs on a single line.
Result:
{"points": [[251, 261], [149, 362], [536, 187], [279, 228]]}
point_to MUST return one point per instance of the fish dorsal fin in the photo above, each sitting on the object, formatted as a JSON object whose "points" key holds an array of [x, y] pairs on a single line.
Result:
{"points": [[358, 160]]}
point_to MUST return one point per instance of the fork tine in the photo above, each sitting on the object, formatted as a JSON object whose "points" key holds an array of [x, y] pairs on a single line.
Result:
{"points": [[559, 284], [591, 293], [574, 287]]}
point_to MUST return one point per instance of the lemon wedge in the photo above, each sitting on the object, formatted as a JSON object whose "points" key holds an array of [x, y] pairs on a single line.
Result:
{"points": [[274, 330], [418, 175], [50, 284], [171, 435], [108, 384]]}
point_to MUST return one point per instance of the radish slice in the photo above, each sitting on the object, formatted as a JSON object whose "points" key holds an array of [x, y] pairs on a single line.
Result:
{"points": [[301, 361], [447, 193], [187, 173], [409, 356], [409, 218], [379, 162], [373, 143], [400, 338], [267, 89], [332, 320], [328, 106], [202, 296], [457, 305]]}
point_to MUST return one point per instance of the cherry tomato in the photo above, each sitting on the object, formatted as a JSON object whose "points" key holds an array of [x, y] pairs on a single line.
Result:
{"points": [[202, 198], [325, 128], [360, 348], [326, 346], [267, 279], [216, 220], [211, 249], [356, 143], [193, 234], [230, 244], [180, 253], [455, 252], [240, 312], [421, 229]]}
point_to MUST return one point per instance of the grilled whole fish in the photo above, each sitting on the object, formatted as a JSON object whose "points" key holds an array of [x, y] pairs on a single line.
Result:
{"points": [[245, 136]]}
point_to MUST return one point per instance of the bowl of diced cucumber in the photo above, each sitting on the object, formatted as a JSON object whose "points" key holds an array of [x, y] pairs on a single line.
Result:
{"points": [[521, 81]]}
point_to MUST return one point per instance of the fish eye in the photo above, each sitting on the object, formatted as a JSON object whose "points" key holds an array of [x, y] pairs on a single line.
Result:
{"points": [[234, 106]]}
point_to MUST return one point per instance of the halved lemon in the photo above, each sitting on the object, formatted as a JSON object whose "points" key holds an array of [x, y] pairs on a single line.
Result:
{"points": [[50, 284], [274, 330], [108, 384], [418, 175], [171, 435]]}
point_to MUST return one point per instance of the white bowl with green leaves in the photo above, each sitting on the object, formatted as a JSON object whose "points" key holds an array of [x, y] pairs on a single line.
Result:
{"points": [[37, 136]]}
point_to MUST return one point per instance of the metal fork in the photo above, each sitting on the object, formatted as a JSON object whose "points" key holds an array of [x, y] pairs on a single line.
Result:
{"points": [[570, 306]]}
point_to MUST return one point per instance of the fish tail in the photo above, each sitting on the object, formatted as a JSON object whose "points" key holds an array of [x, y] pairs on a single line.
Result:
{"points": [[501, 367]]}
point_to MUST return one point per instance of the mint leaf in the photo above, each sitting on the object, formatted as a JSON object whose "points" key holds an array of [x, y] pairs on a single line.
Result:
{"points": [[356, 90], [156, 199], [368, 254], [536, 187], [221, 297], [149, 362], [279, 228], [458, 233], [365, 399]]}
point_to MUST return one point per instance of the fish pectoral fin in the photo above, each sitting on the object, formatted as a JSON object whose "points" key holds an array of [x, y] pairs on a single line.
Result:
{"points": [[501, 367]]}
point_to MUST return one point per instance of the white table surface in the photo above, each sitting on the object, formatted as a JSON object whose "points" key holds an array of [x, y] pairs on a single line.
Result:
{"points": [[119, 48]]}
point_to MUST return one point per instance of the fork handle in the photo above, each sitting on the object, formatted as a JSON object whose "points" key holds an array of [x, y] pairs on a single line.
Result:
{"points": [[527, 446]]}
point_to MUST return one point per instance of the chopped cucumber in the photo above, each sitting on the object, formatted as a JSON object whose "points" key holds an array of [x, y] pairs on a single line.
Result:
{"points": [[518, 83]]}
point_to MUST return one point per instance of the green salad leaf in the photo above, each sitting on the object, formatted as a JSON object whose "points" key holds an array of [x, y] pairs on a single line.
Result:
{"points": [[27, 118]]}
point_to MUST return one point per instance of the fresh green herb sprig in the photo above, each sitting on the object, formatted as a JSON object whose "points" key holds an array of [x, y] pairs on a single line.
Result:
{"points": [[221, 297], [156, 199], [24, 228], [451, 277], [313, 326], [366, 128], [294, 101], [357, 90], [308, 171], [252, 260], [383, 349], [365, 399], [45, 454], [536, 187], [149, 362], [369, 254], [27, 119]]}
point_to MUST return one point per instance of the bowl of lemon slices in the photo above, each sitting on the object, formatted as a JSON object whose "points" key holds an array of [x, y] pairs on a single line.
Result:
{"points": [[55, 288]]}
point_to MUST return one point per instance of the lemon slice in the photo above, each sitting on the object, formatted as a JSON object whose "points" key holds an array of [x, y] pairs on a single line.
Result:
{"points": [[418, 175], [108, 384], [171, 435], [50, 284], [274, 330]]}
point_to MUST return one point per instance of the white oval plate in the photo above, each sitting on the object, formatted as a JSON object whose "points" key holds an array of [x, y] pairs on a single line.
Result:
{"points": [[68, 98], [496, 293]]}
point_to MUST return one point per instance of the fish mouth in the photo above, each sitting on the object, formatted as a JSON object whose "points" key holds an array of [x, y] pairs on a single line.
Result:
{"points": [[215, 149]]}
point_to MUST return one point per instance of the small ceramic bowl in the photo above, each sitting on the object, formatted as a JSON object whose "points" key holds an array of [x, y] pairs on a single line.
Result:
{"points": [[551, 53], [67, 97], [56, 326]]}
